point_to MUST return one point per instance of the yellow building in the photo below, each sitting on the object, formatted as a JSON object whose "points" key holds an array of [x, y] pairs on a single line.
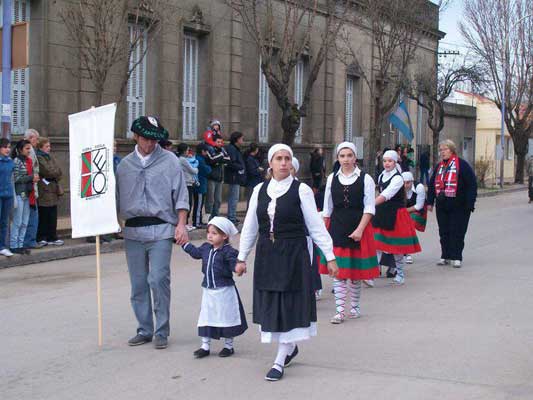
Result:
{"points": [[488, 129]]}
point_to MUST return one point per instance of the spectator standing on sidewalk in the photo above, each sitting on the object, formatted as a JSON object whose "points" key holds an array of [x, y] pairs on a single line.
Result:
{"points": [[190, 172], [254, 171], [7, 193], [217, 157], [530, 175], [24, 182], [317, 168], [424, 168], [30, 239], [201, 189], [234, 174], [50, 190]]}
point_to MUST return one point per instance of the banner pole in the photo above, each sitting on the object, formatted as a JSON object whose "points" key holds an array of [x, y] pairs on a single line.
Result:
{"points": [[98, 290]]}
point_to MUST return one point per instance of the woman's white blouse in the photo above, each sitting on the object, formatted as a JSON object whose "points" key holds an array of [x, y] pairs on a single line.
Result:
{"points": [[369, 197], [315, 226], [395, 185], [420, 196]]}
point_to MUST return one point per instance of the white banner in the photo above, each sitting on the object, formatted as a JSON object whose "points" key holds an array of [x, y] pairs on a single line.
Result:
{"points": [[92, 180]]}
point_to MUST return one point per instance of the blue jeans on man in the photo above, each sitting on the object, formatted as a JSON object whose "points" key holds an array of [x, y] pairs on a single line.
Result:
{"points": [[30, 239], [6, 205], [233, 200]]}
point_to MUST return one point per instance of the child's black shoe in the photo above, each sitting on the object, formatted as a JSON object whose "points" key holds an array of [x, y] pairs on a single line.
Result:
{"points": [[225, 352], [201, 353]]}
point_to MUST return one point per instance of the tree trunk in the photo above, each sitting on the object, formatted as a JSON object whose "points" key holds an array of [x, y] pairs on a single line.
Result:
{"points": [[290, 122], [435, 153], [520, 142]]}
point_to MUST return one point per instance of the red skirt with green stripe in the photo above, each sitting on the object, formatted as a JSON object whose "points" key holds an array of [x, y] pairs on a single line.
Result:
{"points": [[355, 264], [402, 239], [420, 218]]}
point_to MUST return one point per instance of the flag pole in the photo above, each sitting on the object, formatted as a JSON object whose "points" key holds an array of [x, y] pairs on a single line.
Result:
{"points": [[98, 290]]}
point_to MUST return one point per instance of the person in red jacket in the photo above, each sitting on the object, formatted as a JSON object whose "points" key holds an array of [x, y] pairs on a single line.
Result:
{"points": [[211, 134]]}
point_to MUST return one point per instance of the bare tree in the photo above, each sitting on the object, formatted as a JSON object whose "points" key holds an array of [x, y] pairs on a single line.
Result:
{"points": [[283, 32], [431, 88], [99, 29], [395, 29], [488, 24]]}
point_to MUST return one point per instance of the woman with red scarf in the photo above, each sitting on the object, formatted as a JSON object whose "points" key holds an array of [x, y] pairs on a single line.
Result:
{"points": [[453, 188]]}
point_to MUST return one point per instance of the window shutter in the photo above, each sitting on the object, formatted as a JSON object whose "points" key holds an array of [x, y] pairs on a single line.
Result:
{"points": [[136, 83], [20, 78], [190, 87], [348, 129], [263, 106], [298, 95]]}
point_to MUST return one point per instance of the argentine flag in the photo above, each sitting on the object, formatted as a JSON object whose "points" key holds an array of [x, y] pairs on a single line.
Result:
{"points": [[401, 121]]}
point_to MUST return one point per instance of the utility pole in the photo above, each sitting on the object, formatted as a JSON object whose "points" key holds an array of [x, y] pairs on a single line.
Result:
{"points": [[6, 69]]}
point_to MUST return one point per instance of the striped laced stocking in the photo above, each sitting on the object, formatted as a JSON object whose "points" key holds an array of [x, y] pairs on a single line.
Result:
{"points": [[355, 297], [339, 286]]}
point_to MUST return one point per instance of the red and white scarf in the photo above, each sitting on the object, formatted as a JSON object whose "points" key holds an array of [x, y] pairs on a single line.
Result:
{"points": [[447, 177]]}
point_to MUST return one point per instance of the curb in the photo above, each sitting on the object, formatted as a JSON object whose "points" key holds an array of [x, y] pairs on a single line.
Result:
{"points": [[504, 191], [77, 250]]}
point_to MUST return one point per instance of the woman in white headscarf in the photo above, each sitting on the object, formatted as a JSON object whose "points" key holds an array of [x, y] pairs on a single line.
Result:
{"points": [[349, 205], [394, 231], [281, 214]]}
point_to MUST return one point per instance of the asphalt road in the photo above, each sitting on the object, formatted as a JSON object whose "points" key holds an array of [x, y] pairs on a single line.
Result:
{"points": [[446, 334]]}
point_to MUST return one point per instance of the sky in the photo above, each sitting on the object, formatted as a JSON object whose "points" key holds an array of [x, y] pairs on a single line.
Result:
{"points": [[449, 23]]}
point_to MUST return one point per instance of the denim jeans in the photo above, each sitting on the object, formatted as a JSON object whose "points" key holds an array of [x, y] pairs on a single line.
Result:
{"points": [[213, 198], [21, 216], [149, 269], [30, 239], [6, 204], [233, 200]]}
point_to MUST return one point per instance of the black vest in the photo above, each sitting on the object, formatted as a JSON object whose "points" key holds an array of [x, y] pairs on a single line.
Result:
{"points": [[348, 205], [412, 201], [289, 221], [385, 217]]}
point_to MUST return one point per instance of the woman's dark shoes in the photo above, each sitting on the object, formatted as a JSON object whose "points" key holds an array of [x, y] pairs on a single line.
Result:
{"points": [[201, 353], [17, 251], [290, 357], [26, 251], [225, 352], [275, 373]]}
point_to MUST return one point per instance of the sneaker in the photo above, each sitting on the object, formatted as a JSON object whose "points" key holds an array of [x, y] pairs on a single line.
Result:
{"points": [[139, 339], [318, 294], [408, 259], [57, 242], [190, 228], [457, 263], [337, 319], [160, 342], [442, 261], [225, 352], [201, 353], [40, 244], [369, 283], [398, 280], [6, 252], [274, 374], [290, 357], [355, 313]]}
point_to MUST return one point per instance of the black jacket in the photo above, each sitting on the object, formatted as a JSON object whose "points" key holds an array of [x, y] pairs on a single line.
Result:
{"points": [[235, 170], [217, 157], [218, 265], [253, 174], [466, 189]]}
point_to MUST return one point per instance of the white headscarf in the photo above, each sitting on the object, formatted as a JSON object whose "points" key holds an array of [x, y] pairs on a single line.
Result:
{"points": [[408, 176], [391, 154], [277, 147], [295, 164], [224, 224], [346, 145]]}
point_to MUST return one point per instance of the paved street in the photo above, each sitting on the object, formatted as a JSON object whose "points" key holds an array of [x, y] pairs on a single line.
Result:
{"points": [[447, 334]]}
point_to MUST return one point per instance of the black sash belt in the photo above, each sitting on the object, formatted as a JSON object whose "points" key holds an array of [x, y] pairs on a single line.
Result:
{"points": [[136, 222]]}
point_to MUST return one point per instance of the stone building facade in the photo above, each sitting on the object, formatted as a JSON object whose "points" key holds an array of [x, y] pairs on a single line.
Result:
{"points": [[204, 66]]}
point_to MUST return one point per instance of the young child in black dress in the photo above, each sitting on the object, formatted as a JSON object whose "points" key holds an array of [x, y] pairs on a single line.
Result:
{"points": [[221, 314]]}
